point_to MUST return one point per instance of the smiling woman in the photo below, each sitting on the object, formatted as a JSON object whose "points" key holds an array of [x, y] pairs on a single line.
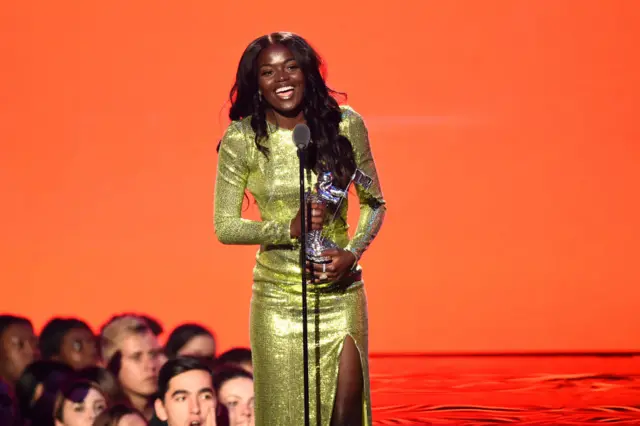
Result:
{"points": [[280, 84]]}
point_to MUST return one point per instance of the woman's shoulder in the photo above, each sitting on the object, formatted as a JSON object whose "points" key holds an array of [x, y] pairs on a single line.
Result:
{"points": [[348, 112], [242, 126], [238, 136], [350, 116]]}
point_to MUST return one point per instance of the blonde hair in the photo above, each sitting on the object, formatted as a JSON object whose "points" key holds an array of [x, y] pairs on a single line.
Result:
{"points": [[116, 330]]}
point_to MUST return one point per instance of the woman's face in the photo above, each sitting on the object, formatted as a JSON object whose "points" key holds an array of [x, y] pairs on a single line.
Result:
{"points": [[202, 346], [84, 412], [79, 348], [237, 395], [280, 79], [18, 349]]}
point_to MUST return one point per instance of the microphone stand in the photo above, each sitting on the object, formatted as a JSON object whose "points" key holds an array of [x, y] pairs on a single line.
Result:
{"points": [[303, 258]]}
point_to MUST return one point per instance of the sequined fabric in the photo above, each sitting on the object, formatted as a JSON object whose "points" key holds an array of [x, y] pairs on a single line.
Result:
{"points": [[335, 310]]}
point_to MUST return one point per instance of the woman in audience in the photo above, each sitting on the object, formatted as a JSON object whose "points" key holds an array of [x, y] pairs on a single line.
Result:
{"points": [[240, 357], [18, 347], [69, 340], [105, 379], [8, 405], [234, 390], [120, 415], [79, 403], [191, 339], [37, 387]]}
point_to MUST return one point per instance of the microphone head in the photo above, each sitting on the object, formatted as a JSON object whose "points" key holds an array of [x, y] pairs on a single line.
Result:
{"points": [[301, 135]]}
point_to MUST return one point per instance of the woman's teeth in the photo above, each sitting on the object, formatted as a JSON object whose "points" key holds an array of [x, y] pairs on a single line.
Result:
{"points": [[285, 92]]}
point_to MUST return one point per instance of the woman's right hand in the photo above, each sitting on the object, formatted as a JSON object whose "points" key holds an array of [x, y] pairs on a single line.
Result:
{"points": [[315, 218]]}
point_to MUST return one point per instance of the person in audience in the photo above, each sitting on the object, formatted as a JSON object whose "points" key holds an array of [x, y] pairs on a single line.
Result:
{"points": [[190, 339], [185, 393], [18, 347], [234, 390], [132, 353], [154, 324], [78, 403], [105, 379], [120, 415], [240, 357], [69, 340], [9, 415], [37, 386]]}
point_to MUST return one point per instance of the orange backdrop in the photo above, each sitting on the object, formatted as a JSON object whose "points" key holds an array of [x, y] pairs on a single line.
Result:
{"points": [[504, 132]]}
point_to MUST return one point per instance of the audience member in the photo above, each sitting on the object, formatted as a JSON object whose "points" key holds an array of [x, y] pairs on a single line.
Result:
{"points": [[38, 378], [185, 393], [240, 357], [78, 404], [105, 379], [120, 415], [69, 340], [234, 390], [18, 347], [190, 339], [132, 353], [9, 415]]}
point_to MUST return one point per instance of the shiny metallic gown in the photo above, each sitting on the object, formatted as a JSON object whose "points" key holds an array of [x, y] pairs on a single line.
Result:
{"points": [[336, 310]]}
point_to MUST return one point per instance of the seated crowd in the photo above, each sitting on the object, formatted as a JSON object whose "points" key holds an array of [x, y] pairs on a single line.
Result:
{"points": [[67, 376]]}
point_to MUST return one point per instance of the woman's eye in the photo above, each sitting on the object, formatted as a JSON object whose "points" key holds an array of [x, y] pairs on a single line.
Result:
{"points": [[267, 73], [77, 346], [78, 408]]}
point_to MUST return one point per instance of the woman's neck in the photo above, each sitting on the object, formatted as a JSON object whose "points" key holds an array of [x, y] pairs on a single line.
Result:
{"points": [[142, 404], [284, 121]]}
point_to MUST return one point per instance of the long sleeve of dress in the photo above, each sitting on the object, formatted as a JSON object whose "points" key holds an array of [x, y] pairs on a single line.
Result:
{"points": [[231, 181], [372, 204]]}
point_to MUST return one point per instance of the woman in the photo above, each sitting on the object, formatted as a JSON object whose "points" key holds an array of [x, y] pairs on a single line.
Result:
{"points": [[234, 390], [279, 84], [192, 340], [105, 379], [79, 403], [37, 387], [120, 415]]}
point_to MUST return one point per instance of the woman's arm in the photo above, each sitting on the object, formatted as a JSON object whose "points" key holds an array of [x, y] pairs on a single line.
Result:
{"points": [[372, 204], [231, 182]]}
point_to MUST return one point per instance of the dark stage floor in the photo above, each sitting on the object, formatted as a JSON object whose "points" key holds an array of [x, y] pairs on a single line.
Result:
{"points": [[494, 390]]}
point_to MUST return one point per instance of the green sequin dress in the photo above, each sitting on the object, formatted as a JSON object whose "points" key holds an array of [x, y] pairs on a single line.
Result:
{"points": [[335, 310]]}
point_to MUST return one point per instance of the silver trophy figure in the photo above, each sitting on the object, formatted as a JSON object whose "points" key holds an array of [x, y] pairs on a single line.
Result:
{"points": [[326, 193]]}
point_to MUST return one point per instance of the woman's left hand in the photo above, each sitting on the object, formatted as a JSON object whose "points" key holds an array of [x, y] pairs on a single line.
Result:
{"points": [[341, 263]]}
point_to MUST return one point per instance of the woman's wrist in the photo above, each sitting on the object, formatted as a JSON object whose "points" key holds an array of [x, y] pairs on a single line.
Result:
{"points": [[355, 258]]}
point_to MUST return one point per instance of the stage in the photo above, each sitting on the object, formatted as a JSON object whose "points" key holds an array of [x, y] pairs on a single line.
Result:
{"points": [[490, 390]]}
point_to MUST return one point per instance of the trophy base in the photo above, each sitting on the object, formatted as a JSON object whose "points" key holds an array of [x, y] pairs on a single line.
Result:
{"points": [[314, 253], [318, 259]]}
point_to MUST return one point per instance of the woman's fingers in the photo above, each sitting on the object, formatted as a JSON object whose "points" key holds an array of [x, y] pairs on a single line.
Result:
{"points": [[321, 272]]}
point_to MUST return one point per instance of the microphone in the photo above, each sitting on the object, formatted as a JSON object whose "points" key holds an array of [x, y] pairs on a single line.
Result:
{"points": [[301, 136]]}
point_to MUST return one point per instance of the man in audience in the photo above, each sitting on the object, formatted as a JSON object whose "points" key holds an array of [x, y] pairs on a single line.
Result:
{"points": [[18, 347], [185, 393], [70, 341], [132, 353]]}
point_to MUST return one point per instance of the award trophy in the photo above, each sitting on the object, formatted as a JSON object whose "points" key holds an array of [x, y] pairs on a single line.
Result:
{"points": [[328, 194]]}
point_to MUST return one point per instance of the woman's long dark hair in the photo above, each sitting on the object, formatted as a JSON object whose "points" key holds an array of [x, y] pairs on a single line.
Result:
{"points": [[329, 151]]}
